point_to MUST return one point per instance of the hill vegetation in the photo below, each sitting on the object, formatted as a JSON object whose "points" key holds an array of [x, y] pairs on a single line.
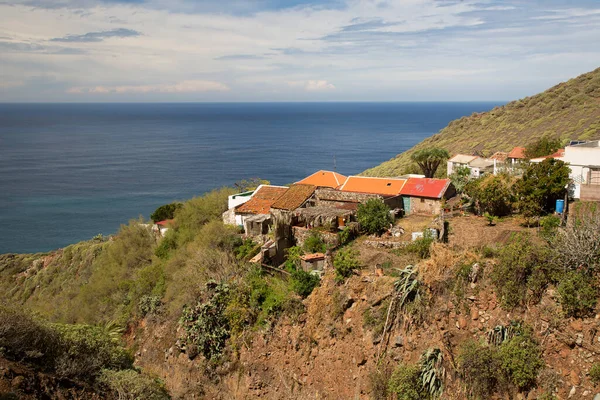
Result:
{"points": [[567, 111]]}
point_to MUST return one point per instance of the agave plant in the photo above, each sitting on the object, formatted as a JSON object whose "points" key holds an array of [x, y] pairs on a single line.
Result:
{"points": [[433, 372], [408, 286], [503, 333], [113, 330]]}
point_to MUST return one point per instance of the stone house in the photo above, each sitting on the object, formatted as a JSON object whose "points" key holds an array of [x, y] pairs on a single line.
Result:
{"points": [[426, 195], [254, 214]]}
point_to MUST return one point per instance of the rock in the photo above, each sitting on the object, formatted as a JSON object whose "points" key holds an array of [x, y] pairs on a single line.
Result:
{"points": [[577, 325], [586, 393], [575, 379], [572, 392], [18, 382], [399, 341], [579, 339], [597, 396], [474, 274], [564, 353], [461, 323], [474, 314], [377, 340]]}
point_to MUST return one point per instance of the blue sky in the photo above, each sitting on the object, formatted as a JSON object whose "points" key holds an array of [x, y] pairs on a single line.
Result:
{"points": [[294, 50]]}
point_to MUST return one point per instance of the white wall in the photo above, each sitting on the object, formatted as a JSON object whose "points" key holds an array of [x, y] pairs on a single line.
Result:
{"points": [[579, 157]]}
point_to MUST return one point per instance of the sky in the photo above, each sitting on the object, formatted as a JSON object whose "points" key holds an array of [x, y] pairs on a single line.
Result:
{"points": [[292, 50]]}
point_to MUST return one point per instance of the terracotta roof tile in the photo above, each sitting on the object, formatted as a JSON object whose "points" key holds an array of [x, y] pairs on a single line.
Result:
{"points": [[499, 156], [517, 152], [324, 179], [294, 197], [382, 186], [426, 187], [313, 257], [261, 201]]}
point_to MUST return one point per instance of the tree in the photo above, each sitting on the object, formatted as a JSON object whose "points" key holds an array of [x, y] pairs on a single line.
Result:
{"points": [[541, 185], [493, 194], [373, 216], [429, 159], [246, 185], [166, 211], [460, 177], [543, 147]]}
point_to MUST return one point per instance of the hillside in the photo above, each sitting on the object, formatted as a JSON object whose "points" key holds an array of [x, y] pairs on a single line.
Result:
{"points": [[569, 110]]}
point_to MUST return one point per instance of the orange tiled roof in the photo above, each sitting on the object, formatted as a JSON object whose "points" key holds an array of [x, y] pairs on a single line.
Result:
{"points": [[517, 152], [382, 186], [426, 187], [324, 179], [261, 201], [294, 197], [313, 256], [499, 156]]}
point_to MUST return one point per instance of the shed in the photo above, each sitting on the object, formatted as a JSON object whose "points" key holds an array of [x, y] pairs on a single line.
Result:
{"points": [[425, 195], [313, 262]]}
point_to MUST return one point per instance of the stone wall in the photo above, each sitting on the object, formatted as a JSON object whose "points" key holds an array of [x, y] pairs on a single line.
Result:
{"points": [[301, 234], [420, 205], [330, 195]]}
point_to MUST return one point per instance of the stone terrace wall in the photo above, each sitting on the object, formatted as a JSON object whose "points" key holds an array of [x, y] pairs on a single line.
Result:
{"points": [[301, 234]]}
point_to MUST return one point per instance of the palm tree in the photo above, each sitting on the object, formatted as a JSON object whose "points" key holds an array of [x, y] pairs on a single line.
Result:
{"points": [[429, 159]]}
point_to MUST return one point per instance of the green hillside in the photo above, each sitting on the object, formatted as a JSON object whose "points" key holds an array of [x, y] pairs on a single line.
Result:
{"points": [[569, 110]]}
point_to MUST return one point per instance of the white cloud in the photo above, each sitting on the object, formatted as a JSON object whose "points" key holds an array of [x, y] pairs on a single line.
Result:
{"points": [[181, 87], [318, 86]]}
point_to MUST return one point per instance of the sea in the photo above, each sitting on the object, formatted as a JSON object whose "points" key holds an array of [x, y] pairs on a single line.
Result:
{"points": [[71, 171]]}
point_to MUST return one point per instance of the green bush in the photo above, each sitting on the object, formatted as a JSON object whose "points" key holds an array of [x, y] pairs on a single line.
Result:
{"points": [[314, 243], [345, 263], [541, 185], [595, 373], [523, 272], [166, 245], [303, 282], [521, 360], [544, 146], [131, 385], [577, 294], [406, 384], [480, 368], [149, 305], [166, 211], [421, 246], [493, 194], [373, 216], [549, 225], [247, 250]]}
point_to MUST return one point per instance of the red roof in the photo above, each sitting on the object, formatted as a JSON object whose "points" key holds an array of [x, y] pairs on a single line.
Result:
{"points": [[517, 152], [294, 197], [382, 186], [261, 200], [324, 179], [426, 187], [166, 222]]}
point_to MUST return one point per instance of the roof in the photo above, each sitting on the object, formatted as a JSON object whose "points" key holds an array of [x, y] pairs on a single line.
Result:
{"points": [[481, 163], [499, 156], [517, 152], [426, 187], [261, 201], [165, 222], [560, 153], [365, 184], [462, 159], [324, 179], [294, 197], [313, 257]]}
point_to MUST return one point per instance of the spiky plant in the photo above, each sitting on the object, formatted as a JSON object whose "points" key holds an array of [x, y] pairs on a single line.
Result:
{"points": [[408, 286], [433, 372], [503, 333], [113, 330]]}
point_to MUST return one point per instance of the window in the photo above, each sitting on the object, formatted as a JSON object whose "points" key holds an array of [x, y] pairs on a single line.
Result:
{"points": [[422, 200]]}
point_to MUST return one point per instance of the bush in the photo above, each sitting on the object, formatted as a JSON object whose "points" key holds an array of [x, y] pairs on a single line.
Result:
{"points": [[373, 216], [577, 294], [542, 147], [523, 272], [549, 224], [421, 246], [131, 385], [149, 305], [480, 368], [247, 250], [166, 211], [493, 194], [595, 373], [521, 360], [166, 245], [314, 243], [541, 185], [345, 263], [303, 282], [406, 384]]}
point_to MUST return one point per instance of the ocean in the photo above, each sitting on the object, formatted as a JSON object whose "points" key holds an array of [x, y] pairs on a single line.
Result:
{"points": [[71, 171]]}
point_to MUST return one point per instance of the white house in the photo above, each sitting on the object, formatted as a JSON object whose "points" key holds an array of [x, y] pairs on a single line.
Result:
{"points": [[476, 164], [584, 161], [459, 160]]}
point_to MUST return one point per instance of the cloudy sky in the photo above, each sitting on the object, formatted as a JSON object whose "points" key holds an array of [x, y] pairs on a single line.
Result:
{"points": [[292, 50]]}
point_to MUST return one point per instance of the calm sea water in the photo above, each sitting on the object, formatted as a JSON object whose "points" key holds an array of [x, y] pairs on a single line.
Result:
{"points": [[71, 171]]}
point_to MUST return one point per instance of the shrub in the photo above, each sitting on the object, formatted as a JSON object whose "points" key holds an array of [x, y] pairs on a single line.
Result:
{"points": [[577, 294], [346, 235], [542, 147], [406, 384], [433, 372], [521, 360], [421, 246], [549, 224], [247, 250], [493, 194], [378, 383], [523, 272], [541, 185], [345, 263], [373, 216], [595, 373], [166, 211], [314, 243], [480, 368], [149, 305], [303, 282], [460, 177], [131, 385]]}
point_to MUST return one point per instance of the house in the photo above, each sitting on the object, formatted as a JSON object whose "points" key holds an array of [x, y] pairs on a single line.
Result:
{"points": [[459, 160], [516, 155], [584, 161], [325, 179], [426, 195], [253, 214], [558, 155], [387, 188], [162, 227], [233, 201], [312, 262]]}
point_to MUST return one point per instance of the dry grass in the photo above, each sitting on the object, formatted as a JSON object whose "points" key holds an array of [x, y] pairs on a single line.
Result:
{"points": [[441, 266]]}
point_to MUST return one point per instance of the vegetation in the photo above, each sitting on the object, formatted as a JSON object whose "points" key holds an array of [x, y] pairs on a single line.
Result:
{"points": [[566, 111], [429, 160], [542, 147], [492, 194], [595, 373], [521, 360], [541, 185], [421, 247], [131, 385], [480, 368], [405, 383], [373, 216], [578, 294], [345, 263], [314, 243], [166, 211], [460, 177]]}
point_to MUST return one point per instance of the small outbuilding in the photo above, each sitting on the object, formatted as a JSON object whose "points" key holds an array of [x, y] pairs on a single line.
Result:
{"points": [[313, 262], [426, 195]]}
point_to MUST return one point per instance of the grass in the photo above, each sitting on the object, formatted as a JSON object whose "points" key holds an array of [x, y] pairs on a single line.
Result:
{"points": [[569, 110]]}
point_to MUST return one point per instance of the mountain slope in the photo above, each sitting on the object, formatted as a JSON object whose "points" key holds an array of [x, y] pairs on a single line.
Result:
{"points": [[569, 110]]}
